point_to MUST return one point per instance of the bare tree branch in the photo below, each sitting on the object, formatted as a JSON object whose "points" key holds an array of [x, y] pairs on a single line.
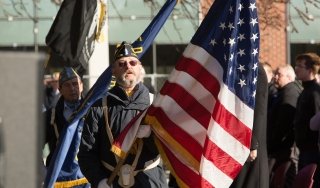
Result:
{"points": [[270, 14]]}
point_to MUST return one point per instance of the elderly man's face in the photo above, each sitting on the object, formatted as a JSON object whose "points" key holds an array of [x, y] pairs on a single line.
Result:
{"points": [[71, 90], [281, 78], [127, 71]]}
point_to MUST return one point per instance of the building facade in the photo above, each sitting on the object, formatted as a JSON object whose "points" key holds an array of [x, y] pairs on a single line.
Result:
{"points": [[26, 24]]}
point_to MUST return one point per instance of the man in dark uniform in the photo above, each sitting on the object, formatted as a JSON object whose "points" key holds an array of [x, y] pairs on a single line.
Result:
{"points": [[107, 118], [71, 88], [306, 68]]}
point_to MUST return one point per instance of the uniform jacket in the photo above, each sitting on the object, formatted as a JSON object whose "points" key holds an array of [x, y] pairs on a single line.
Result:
{"points": [[95, 145], [54, 116], [55, 124]]}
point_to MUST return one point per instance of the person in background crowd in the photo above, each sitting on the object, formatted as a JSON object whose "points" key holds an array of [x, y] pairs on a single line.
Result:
{"points": [[281, 147], [306, 67], [272, 95], [272, 90], [52, 93], [318, 78], [107, 118], [71, 88], [315, 125]]}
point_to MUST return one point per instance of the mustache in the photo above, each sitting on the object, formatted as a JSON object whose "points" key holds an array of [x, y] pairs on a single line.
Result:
{"points": [[130, 71]]}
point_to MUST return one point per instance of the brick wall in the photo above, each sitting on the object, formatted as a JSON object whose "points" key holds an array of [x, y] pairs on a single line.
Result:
{"points": [[273, 39]]}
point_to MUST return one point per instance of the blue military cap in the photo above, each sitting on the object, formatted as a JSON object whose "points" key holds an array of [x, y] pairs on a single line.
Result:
{"points": [[66, 74], [124, 50]]}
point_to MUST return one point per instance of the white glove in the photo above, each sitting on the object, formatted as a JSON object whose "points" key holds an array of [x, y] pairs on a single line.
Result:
{"points": [[144, 131], [103, 184]]}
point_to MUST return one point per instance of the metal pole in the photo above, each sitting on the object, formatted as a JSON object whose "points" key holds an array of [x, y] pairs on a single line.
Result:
{"points": [[288, 32], [2, 156], [154, 64], [35, 25]]}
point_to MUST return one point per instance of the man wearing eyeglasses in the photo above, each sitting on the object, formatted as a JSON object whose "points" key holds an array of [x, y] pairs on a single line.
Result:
{"points": [[107, 118], [306, 68]]}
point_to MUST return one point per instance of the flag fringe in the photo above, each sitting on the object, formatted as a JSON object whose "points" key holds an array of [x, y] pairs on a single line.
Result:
{"points": [[172, 143], [118, 151], [71, 183], [167, 163]]}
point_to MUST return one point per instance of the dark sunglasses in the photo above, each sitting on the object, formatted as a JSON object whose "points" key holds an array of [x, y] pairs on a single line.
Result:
{"points": [[124, 63]]}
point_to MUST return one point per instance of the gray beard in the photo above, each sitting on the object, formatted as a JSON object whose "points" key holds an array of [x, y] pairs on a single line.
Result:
{"points": [[126, 83]]}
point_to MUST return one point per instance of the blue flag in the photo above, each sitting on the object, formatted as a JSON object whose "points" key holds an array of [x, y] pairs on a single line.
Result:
{"points": [[63, 161], [145, 40]]}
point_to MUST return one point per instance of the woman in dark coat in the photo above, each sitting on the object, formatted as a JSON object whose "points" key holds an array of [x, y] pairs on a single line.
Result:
{"points": [[254, 173]]}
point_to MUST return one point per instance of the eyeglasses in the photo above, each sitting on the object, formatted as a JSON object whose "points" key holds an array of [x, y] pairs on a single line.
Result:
{"points": [[124, 63]]}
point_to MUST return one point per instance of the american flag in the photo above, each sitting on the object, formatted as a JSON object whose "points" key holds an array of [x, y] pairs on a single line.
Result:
{"points": [[203, 115]]}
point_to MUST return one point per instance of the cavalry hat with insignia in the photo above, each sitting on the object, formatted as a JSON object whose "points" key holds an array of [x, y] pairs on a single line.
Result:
{"points": [[66, 74], [124, 50]]}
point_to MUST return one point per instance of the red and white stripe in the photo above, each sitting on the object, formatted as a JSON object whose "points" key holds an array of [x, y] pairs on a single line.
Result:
{"points": [[204, 129], [123, 143]]}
